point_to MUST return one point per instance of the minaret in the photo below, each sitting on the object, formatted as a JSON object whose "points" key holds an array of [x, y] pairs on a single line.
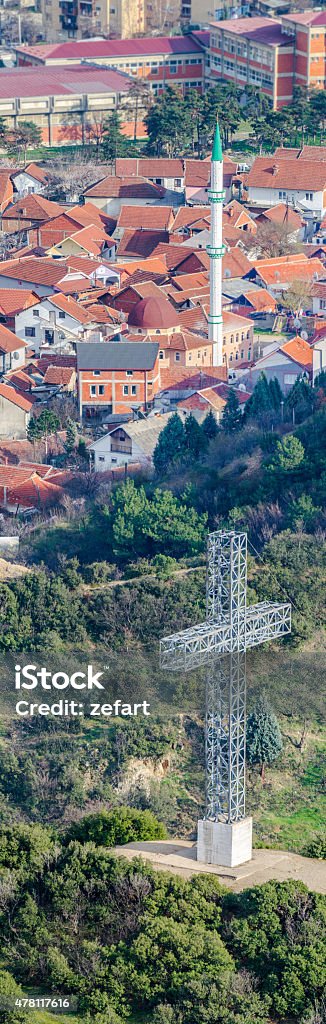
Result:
{"points": [[215, 251]]}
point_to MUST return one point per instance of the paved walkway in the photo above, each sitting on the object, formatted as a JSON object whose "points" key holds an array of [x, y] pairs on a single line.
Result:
{"points": [[179, 857]]}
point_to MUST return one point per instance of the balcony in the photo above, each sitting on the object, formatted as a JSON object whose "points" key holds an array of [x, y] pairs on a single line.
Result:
{"points": [[124, 447]]}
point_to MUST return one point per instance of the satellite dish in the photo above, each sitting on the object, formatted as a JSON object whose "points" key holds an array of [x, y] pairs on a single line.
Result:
{"points": [[297, 323], [304, 335]]}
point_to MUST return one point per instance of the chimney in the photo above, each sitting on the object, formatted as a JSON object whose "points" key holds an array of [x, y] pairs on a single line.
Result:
{"points": [[275, 169]]}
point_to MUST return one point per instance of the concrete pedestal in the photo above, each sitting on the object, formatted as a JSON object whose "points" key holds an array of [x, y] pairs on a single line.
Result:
{"points": [[224, 844]]}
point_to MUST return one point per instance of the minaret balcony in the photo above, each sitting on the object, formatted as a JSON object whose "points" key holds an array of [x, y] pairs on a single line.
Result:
{"points": [[216, 197], [215, 252]]}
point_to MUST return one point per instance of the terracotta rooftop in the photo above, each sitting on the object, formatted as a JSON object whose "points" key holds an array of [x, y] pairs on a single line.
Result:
{"points": [[191, 380], [14, 300], [33, 207], [97, 48], [9, 342], [140, 243], [299, 350], [15, 398], [283, 214], [154, 218], [37, 270], [114, 187], [284, 269], [80, 79], [59, 375], [153, 167], [267, 172], [69, 305], [258, 30]]}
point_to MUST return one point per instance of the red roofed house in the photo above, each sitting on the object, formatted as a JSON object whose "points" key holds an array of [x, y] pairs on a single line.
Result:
{"points": [[284, 217], [279, 273], [116, 377], [28, 210], [15, 411], [272, 180], [210, 399], [111, 193], [12, 350], [285, 362], [30, 486], [32, 178]]}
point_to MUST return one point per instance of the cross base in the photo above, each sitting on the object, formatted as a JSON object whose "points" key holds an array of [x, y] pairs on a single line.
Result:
{"points": [[225, 843]]}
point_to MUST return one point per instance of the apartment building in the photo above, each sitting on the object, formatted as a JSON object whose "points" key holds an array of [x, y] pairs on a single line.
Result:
{"points": [[275, 55], [79, 19], [116, 377]]}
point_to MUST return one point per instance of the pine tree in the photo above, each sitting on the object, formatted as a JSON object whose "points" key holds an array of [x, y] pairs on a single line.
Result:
{"points": [[195, 439], [261, 399], [275, 393], [209, 426], [171, 444], [263, 738], [113, 141], [232, 415], [71, 434]]}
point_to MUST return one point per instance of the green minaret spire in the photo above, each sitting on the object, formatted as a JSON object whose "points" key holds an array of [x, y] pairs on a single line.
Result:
{"points": [[217, 154]]}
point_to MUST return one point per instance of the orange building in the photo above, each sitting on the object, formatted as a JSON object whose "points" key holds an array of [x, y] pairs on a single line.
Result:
{"points": [[116, 377], [276, 56]]}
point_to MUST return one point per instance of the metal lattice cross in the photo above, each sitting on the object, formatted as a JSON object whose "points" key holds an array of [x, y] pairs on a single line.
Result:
{"points": [[220, 644]]}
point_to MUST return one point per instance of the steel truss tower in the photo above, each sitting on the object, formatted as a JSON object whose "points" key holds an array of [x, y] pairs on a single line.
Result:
{"points": [[220, 644]]}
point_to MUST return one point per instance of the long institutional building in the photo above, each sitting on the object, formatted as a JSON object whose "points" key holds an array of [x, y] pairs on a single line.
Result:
{"points": [[64, 86]]}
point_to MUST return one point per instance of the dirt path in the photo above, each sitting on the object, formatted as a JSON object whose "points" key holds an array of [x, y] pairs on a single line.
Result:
{"points": [[179, 857]]}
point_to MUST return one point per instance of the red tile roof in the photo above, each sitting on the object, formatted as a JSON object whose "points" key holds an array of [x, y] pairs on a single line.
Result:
{"points": [[259, 30], [80, 79], [284, 269], [44, 270], [266, 172], [299, 350], [60, 375], [25, 487], [191, 380], [33, 207], [153, 167], [309, 17], [115, 187], [14, 300], [97, 48], [69, 305], [9, 341], [153, 218], [15, 398], [41, 174], [282, 214], [140, 243]]}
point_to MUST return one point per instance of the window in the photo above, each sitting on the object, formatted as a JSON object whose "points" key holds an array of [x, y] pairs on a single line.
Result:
{"points": [[36, 312], [289, 378], [133, 389], [126, 389], [249, 353], [101, 389], [178, 182], [177, 357], [29, 332], [248, 335], [128, 373], [309, 195], [323, 303], [161, 354], [242, 353], [282, 195], [101, 458], [96, 373], [62, 315], [93, 390]]}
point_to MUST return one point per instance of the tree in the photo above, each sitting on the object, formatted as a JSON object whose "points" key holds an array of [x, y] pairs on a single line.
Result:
{"points": [[139, 98], [3, 133], [10, 991], [209, 426], [232, 416], [114, 142], [263, 736], [275, 393], [297, 298], [272, 240], [168, 124], [114, 828], [289, 454], [42, 426], [195, 438], [262, 399], [25, 135], [94, 131], [71, 434], [171, 444]]}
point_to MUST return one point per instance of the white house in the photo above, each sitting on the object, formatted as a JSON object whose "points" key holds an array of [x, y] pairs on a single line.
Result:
{"points": [[129, 443], [12, 350], [58, 318], [33, 179], [286, 179]]}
